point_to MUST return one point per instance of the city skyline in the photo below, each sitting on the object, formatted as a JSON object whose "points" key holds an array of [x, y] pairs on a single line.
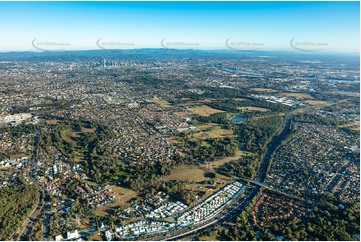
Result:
{"points": [[275, 26]]}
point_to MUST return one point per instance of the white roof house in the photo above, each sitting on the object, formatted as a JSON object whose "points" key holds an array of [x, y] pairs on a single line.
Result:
{"points": [[72, 234], [59, 238]]}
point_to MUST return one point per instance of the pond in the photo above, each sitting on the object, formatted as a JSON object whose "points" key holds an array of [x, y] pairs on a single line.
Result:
{"points": [[239, 117]]}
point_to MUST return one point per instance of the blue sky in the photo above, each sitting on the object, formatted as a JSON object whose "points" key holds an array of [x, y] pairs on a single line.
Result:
{"points": [[199, 25]]}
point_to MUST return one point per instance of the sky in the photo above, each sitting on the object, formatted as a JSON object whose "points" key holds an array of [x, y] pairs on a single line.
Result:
{"points": [[34, 26]]}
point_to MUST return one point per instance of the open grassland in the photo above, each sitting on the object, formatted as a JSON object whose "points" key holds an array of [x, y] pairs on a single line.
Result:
{"points": [[162, 103], [123, 196], [16, 156], [315, 102], [117, 101], [208, 238], [88, 130], [214, 132], [193, 173], [219, 163], [296, 94], [205, 110], [263, 89], [352, 126], [51, 122], [187, 172], [68, 134], [95, 237], [207, 100], [252, 108]]}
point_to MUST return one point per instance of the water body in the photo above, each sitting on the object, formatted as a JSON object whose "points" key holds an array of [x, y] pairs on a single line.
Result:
{"points": [[239, 117]]}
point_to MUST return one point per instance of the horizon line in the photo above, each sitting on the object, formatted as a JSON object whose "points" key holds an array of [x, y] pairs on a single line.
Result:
{"points": [[182, 50]]}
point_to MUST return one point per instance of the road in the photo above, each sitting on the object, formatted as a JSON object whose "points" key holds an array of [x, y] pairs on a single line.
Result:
{"points": [[27, 226]]}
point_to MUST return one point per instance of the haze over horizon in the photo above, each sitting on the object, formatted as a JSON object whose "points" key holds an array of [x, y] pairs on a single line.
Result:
{"points": [[269, 26]]}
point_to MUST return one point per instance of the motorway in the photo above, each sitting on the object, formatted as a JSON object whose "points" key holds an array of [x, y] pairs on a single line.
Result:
{"points": [[242, 203]]}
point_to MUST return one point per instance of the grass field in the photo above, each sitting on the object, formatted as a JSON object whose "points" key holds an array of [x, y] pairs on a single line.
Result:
{"points": [[88, 130], [316, 102], [187, 172], [95, 237], [16, 156], [51, 122], [193, 173], [123, 196], [353, 126], [208, 238], [70, 136], [219, 163], [252, 108], [215, 132], [67, 134], [205, 110], [117, 101], [162, 103], [263, 89], [296, 94]]}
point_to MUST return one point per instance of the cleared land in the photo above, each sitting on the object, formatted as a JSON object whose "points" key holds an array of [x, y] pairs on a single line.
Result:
{"points": [[95, 237], [296, 94], [205, 110], [353, 126], [88, 130], [215, 132], [252, 108], [316, 102], [68, 134], [205, 100], [208, 238], [117, 101], [123, 196], [193, 173], [257, 89], [187, 172], [162, 103], [51, 122], [16, 156]]}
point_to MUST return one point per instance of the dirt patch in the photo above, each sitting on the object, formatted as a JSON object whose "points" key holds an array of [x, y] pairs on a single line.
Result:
{"points": [[257, 89], [194, 173], [88, 130], [16, 156], [51, 122], [252, 108], [162, 103], [215, 132], [353, 126], [315, 102], [123, 196], [296, 94]]}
